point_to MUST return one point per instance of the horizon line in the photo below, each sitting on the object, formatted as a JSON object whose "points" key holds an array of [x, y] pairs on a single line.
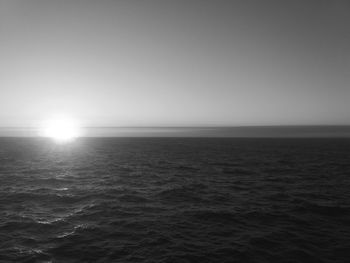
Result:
{"points": [[199, 126]]}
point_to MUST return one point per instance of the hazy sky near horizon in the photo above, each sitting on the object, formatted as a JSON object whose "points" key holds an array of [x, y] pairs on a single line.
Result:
{"points": [[175, 63]]}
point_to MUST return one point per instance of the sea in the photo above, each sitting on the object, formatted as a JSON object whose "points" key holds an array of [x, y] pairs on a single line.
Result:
{"points": [[175, 200]]}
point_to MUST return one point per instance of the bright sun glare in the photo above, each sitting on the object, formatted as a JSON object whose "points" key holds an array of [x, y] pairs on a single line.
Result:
{"points": [[61, 130]]}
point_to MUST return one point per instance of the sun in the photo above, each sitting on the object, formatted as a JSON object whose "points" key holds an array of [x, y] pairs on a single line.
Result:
{"points": [[62, 130]]}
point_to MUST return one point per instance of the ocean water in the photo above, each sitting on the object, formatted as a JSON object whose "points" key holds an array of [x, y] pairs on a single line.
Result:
{"points": [[175, 200]]}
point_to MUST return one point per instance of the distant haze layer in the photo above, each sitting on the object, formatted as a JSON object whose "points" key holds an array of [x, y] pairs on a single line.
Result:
{"points": [[248, 132]]}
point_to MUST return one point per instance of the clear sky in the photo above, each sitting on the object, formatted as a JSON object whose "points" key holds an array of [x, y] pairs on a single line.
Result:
{"points": [[175, 63]]}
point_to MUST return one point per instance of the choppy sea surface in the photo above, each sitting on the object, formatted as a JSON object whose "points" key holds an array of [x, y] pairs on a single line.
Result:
{"points": [[175, 200]]}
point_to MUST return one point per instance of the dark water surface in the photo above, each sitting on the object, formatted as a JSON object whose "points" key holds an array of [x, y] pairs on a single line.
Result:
{"points": [[175, 200]]}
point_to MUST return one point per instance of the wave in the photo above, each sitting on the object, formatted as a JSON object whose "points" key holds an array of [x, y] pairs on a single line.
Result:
{"points": [[174, 200]]}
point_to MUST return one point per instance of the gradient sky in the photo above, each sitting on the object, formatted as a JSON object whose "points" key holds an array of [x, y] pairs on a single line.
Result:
{"points": [[175, 63]]}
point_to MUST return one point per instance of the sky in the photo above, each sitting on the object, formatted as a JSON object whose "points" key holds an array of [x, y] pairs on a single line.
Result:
{"points": [[175, 63]]}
